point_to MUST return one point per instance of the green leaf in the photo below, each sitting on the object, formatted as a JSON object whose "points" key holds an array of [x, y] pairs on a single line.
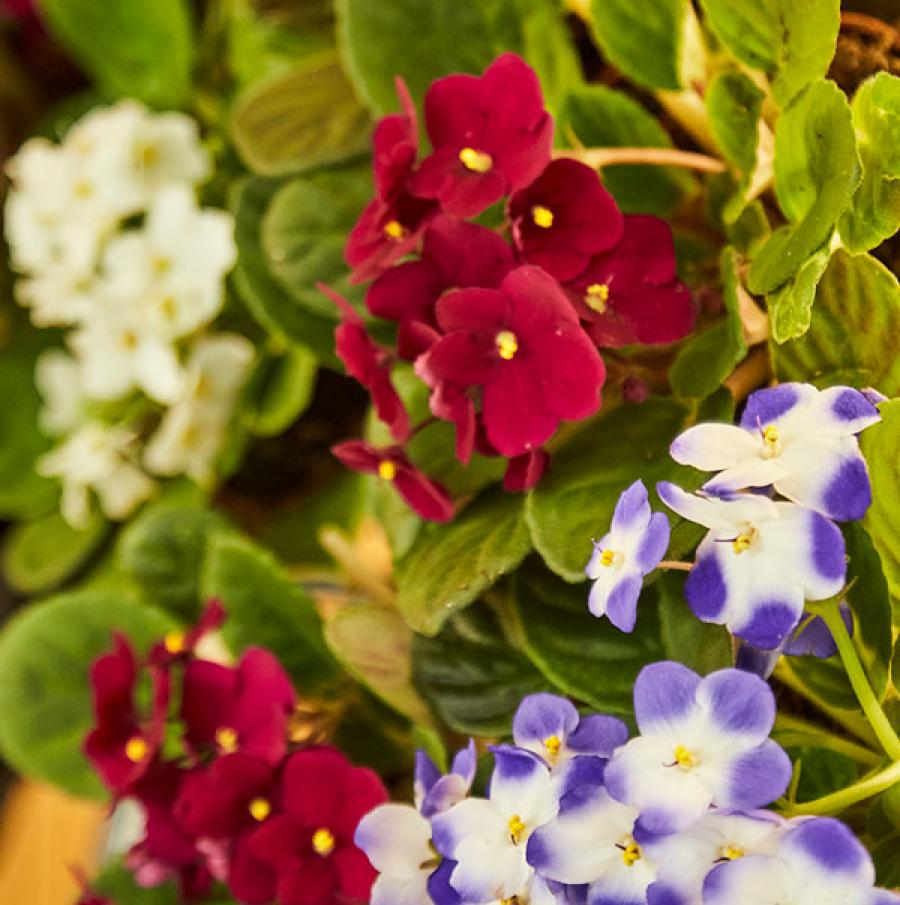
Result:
{"points": [[449, 566], [117, 882], [875, 212], [374, 644], [267, 609], [131, 48], [471, 676], [163, 551], [642, 38], [790, 306], [45, 655], [600, 117], [266, 298], [279, 390], [822, 772], [886, 855], [588, 658], [707, 358], [792, 41], [852, 335], [575, 500], [699, 645], [816, 172], [300, 119], [39, 556], [422, 40]]}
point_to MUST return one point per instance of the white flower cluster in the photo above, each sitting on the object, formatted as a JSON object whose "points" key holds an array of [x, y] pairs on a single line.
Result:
{"points": [[109, 241]]}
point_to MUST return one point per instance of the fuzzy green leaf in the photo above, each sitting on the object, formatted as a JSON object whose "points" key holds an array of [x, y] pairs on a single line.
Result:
{"points": [[279, 390], [790, 307]]}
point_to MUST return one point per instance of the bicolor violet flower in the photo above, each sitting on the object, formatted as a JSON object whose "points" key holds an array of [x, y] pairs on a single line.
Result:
{"points": [[564, 218], [424, 496], [819, 862], [238, 709], [796, 438], [491, 136], [759, 562], [702, 742], [633, 547], [550, 726], [630, 294], [523, 345], [436, 792]]}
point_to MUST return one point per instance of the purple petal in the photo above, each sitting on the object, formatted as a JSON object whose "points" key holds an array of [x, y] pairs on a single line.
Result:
{"points": [[654, 543], [738, 703], [849, 493], [439, 888], [832, 845], [465, 762], [757, 778], [814, 639], [541, 716], [621, 605], [759, 662], [666, 894], [765, 406], [425, 776], [705, 587], [599, 735], [769, 623], [582, 777], [632, 509], [851, 408], [663, 692]]}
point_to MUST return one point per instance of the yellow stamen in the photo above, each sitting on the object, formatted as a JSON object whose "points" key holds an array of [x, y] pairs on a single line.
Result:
{"points": [[259, 809], [136, 749], [387, 471], [516, 828], [631, 853], [129, 340], [162, 264], [227, 739], [732, 852], [507, 344], [596, 297], [512, 900], [323, 842], [744, 540], [685, 758], [542, 216], [607, 557], [168, 308], [147, 155], [393, 229], [476, 161], [552, 744], [83, 189], [173, 642], [771, 439]]}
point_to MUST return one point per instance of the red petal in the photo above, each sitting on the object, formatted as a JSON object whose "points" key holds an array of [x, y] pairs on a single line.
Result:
{"points": [[424, 496], [208, 698], [523, 472], [313, 785], [357, 456], [406, 291], [514, 412], [355, 874], [453, 110], [461, 358], [311, 882], [475, 310], [250, 880], [466, 253], [363, 792], [571, 374]]}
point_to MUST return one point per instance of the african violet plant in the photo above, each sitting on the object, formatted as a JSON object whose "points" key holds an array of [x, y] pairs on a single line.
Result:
{"points": [[514, 378]]}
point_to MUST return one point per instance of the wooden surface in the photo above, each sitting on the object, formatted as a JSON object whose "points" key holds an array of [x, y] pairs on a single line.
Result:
{"points": [[44, 836]]}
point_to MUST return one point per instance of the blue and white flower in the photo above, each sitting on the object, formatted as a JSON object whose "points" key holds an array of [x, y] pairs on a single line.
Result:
{"points": [[487, 838], [820, 862], [702, 742], [635, 544], [759, 562], [435, 792], [551, 727], [796, 438]]}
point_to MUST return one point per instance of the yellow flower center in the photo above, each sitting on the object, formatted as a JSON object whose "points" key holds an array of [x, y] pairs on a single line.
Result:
{"points": [[227, 739], [516, 828], [608, 557], [507, 344], [323, 842], [129, 340], [685, 758], [162, 264], [393, 229], [259, 809], [147, 155], [732, 852], [596, 297], [772, 440], [387, 471], [631, 853], [542, 216], [744, 541], [83, 189], [173, 642], [552, 744], [136, 749], [476, 161]]}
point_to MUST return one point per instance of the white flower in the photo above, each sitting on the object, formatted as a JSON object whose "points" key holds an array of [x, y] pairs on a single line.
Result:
{"points": [[58, 379], [97, 457], [193, 431]]}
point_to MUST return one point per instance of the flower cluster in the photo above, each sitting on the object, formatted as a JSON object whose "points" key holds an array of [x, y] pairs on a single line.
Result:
{"points": [[226, 794], [576, 812], [763, 557], [110, 243], [503, 326]]}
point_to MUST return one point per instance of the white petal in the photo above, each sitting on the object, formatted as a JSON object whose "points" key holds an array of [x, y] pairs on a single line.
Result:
{"points": [[712, 447], [396, 839]]}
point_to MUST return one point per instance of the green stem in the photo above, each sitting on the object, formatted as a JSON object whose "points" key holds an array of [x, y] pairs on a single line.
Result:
{"points": [[879, 722], [791, 732], [859, 791]]}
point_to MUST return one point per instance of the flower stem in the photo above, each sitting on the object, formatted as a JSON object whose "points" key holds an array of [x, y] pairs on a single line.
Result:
{"points": [[859, 791], [661, 157], [879, 722], [675, 564]]}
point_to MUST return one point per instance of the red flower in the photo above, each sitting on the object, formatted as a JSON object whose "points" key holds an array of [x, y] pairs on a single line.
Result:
{"points": [[391, 225], [563, 218], [421, 494], [244, 708], [630, 294], [122, 746], [177, 645], [523, 472], [491, 136], [368, 363], [308, 847], [523, 344]]}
